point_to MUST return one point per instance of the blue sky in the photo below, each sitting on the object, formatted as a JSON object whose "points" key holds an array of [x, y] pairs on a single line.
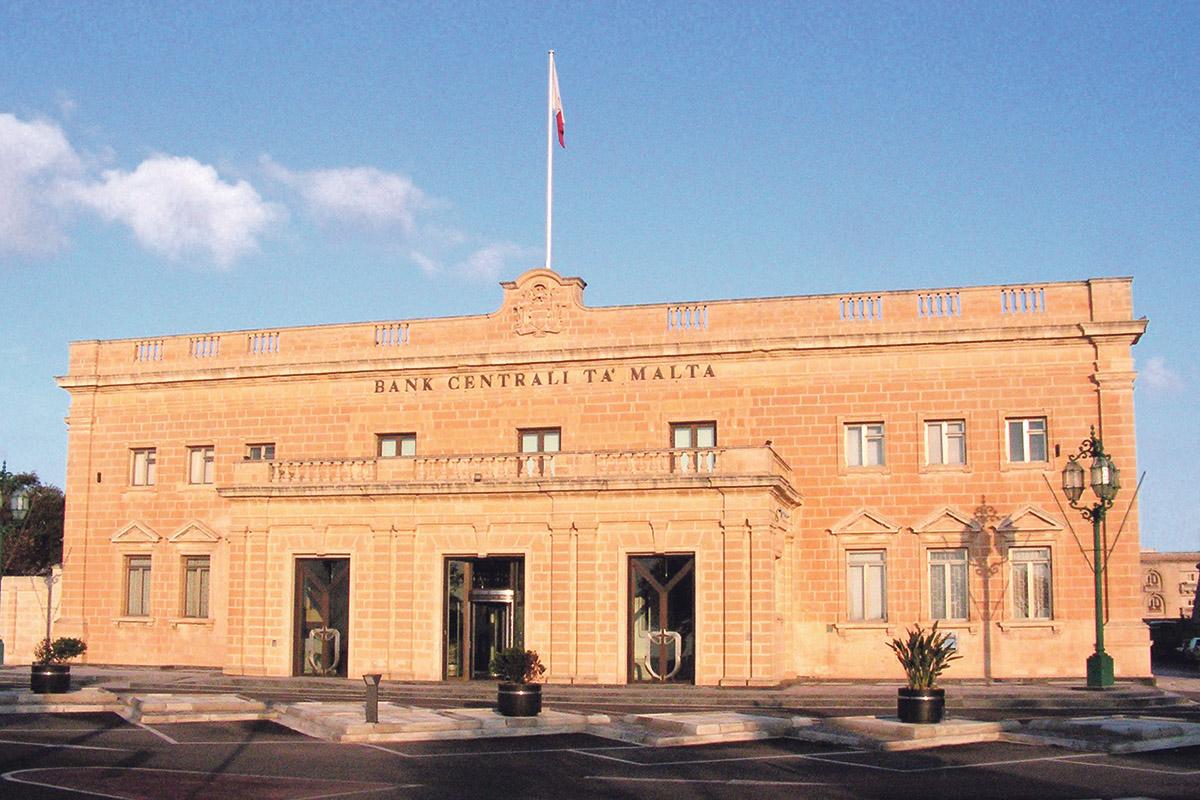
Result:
{"points": [[170, 168]]}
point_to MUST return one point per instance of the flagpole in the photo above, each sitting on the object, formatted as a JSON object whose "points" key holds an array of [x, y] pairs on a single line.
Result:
{"points": [[549, 155]]}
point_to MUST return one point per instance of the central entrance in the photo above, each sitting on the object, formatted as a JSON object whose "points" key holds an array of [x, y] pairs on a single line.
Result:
{"points": [[662, 622], [485, 605]]}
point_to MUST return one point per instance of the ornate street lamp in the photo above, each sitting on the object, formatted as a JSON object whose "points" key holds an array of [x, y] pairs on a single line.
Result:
{"points": [[1105, 480]]}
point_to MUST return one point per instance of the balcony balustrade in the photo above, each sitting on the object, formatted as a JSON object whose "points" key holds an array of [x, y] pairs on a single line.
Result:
{"points": [[519, 468]]}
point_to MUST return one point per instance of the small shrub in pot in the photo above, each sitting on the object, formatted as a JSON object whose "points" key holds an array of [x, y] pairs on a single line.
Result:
{"points": [[519, 693], [50, 672], [924, 655]]}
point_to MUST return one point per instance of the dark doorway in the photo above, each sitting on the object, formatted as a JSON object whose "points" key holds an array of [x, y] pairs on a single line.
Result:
{"points": [[662, 622], [322, 617], [485, 604]]}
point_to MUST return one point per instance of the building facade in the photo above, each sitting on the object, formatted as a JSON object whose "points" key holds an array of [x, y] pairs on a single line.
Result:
{"points": [[727, 493], [1169, 585]]}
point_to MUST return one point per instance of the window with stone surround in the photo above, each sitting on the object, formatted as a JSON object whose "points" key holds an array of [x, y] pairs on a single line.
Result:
{"points": [[137, 586], [200, 464], [948, 584], [946, 442], [688, 440], [143, 469], [866, 585], [262, 451], [865, 444], [196, 572], [1031, 582], [396, 445], [538, 440], [1026, 439]]}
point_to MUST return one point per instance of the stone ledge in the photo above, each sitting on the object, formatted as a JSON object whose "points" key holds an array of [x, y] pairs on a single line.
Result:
{"points": [[889, 733]]}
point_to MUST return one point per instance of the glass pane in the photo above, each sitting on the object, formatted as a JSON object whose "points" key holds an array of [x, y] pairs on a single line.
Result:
{"points": [[706, 436], [958, 591], [209, 461], [875, 451], [408, 446], [854, 446], [455, 604], [550, 442], [937, 591], [680, 610], [873, 604], [854, 585], [1021, 591], [643, 619], [1016, 441], [529, 442], [145, 576], [956, 449], [682, 437], [203, 610], [933, 443], [387, 447], [195, 466], [1041, 578], [1037, 445]]}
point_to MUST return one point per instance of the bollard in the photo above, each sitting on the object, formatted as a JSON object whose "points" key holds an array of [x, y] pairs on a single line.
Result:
{"points": [[372, 682]]}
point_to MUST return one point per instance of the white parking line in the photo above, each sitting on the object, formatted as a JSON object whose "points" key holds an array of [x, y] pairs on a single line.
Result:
{"points": [[157, 733], [732, 782], [472, 753], [1163, 771], [63, 746]]}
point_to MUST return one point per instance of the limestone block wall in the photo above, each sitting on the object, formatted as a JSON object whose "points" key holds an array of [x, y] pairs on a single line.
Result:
{"points": [[23, 614]]}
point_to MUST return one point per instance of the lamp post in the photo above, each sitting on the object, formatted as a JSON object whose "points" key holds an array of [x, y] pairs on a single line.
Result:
{"points": [[18, 502], [1105, 480]]}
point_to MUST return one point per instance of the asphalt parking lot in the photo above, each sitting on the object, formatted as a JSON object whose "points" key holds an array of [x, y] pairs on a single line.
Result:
{"points": [[102, 755]]}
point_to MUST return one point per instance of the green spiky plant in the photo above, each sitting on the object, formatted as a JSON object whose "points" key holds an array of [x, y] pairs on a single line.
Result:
{"points": [[924, 655]]}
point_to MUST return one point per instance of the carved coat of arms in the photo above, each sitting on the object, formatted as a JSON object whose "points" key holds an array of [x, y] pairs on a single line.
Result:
{"points": [[537, 312]]}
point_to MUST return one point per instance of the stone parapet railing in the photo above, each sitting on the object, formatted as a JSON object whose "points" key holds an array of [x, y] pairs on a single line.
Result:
{"points": [[514, 467], [423, 342]]}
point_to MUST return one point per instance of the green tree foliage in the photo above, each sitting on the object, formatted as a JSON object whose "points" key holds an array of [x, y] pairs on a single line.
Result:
{"points": [[31, 545]]}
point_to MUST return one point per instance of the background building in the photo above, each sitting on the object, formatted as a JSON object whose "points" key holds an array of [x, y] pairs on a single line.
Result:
{"points": [[733, 492], [1169, 585]]}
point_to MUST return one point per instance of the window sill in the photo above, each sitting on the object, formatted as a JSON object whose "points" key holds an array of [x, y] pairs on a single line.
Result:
{"points": [[1029, 624], [204, 622], [958, 625], [872, 626], [147, 621], [1026, 466], [944, 469]]}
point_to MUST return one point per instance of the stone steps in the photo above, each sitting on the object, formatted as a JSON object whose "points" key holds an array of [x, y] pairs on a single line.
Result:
{"points": [[160, 707], [80, 701]]}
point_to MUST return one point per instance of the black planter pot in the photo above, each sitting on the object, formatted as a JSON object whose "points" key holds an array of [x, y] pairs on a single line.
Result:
{"points": [[921, 706], [50, 678], [519, 699]]}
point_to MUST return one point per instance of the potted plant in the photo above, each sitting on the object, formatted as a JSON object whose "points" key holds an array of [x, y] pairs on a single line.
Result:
{"points": [[50, 672], [924, 655], [519, 694]]}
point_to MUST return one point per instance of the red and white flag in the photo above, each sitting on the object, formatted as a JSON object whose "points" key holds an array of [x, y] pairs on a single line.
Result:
{"points": [[557, 101]]}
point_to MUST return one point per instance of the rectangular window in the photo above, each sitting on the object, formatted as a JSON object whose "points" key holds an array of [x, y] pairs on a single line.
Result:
{"points": [[948, 584], [1031, 582], [195, 586], [538, 440], [864, 444], [946, 442], [260, 452], [866, 585], [137, 586], [693, 436], [200, 464], [397, 445], [1027, 440], [144, 466]]}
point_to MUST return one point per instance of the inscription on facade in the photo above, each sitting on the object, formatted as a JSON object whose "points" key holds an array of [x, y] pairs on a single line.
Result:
{"points": [[469, 381]]}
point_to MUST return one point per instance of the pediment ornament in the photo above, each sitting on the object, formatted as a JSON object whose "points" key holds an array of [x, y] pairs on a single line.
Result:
{"points": [[864, 521], [947, 520], [539, 310], [136, 533], [194, 531], [1029, 518]]}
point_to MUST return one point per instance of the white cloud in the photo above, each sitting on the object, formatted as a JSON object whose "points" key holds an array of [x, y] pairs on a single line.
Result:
{"points": [[35, 160], [491, 261], [177, 206], [428, 265], [1158, 376], [360, 195]]}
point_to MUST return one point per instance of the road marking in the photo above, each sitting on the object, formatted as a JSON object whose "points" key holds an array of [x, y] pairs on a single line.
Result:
{"points": [[14, 777], [607, 758], [732, 782], [157, 733], [473, 753], [1183, 772], [64, 746]]}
